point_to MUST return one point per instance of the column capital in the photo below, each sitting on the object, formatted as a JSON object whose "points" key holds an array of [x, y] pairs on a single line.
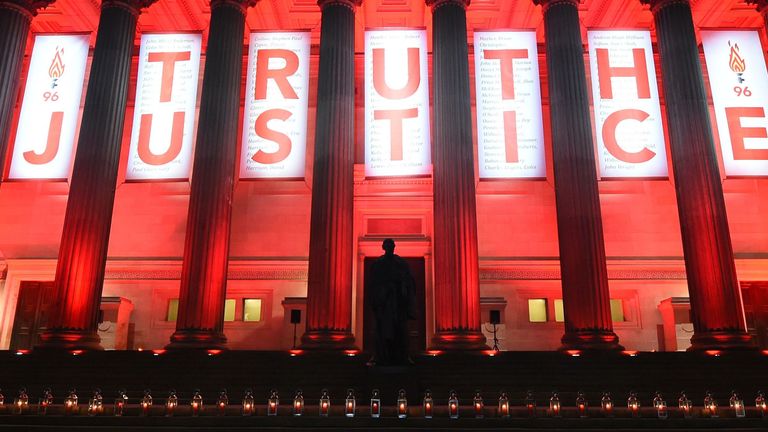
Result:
{"points": [[657, 5], [132, 6], [28, 8], [240, 5], [351, 4], [760, 5], [546, 4], [436, 4]]}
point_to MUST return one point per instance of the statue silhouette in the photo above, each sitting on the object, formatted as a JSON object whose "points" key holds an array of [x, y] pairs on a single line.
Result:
{"points": [[393, 302]]}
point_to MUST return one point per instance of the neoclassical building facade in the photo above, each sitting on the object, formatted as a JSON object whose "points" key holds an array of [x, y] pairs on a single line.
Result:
{"points": [[598, 246]]}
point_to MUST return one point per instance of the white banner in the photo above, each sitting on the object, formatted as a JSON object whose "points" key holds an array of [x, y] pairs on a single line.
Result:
{"points": [[164, 115], [45, 136], [276, 104], [396, 103], [628, 124], [739, 83], [510, 132]]}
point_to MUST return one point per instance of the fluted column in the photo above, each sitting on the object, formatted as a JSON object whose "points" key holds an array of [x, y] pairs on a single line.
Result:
{"points": [[717, 312], [329, 293], [200, 321], [586, 301], [15, 17], [85, 237], [457, 279]]}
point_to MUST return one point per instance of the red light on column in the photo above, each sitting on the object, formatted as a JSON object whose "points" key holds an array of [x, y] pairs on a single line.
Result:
{"points": [[573, 353]]}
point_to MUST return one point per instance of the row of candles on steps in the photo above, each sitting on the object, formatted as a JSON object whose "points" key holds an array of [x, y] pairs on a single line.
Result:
{"points": [[96, 404]]}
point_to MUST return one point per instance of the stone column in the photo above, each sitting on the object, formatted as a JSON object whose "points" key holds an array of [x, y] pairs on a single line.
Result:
{"points": [[200, 321], [457, 279], [716, 308], [586, 301], [329, 293], [15, 17], [85, 237]]}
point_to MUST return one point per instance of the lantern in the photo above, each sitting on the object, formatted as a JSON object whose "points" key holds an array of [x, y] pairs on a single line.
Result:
{"points": [[350, 403], [2, 399], [530, 404], [223, 402], [248, 403], [581, 404], [325, 403], [685, 405], [710, 405], [737, 405], [274, 401], [633, 404], [22, 401], [196, 403], [46, 400], [171, 403], [477, 404], [503, 405], [402, 404], [428, 404], [606, 404], [554, 405], [96, 404], [760, 404], [453, 405], [120, 402], [660, 405], [146, 402], [298, 404], [375, 404], [70, 403]]}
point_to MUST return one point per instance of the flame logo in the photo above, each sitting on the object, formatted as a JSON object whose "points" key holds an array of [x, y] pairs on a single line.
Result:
{"points": [[737, 63], [57, 65]]}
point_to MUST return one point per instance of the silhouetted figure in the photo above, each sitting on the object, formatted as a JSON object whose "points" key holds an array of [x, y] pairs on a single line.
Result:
{"points": [[394, 303]]}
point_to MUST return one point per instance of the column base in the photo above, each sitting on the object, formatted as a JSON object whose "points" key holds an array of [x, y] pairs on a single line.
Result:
{"points": [[722, 340], [197, 339], [459, 341], [328, 340], [596, 341], [68, 339]]}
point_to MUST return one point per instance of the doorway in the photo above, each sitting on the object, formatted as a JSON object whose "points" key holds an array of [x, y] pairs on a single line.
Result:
{"points": [[417, 329], [32, 309]]}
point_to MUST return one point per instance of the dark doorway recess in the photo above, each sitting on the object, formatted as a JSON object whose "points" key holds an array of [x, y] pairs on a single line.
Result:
{"points": [[417, 329]]}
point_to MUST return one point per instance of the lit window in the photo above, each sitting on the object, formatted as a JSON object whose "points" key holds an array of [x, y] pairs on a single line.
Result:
{"points": [[252, 310], [537, 310], [229, 310], [559, 314], [617, 310], [173, 310]]}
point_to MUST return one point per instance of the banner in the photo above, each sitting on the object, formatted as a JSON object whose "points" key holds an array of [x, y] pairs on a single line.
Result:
{"points": [[396, 103], [628, 124], [510, 132], [45, 137], [164, 114], [276, 104], [739, 83]]}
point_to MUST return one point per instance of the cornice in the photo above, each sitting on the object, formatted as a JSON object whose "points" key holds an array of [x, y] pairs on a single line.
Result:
{"points": [[760, 5]]}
